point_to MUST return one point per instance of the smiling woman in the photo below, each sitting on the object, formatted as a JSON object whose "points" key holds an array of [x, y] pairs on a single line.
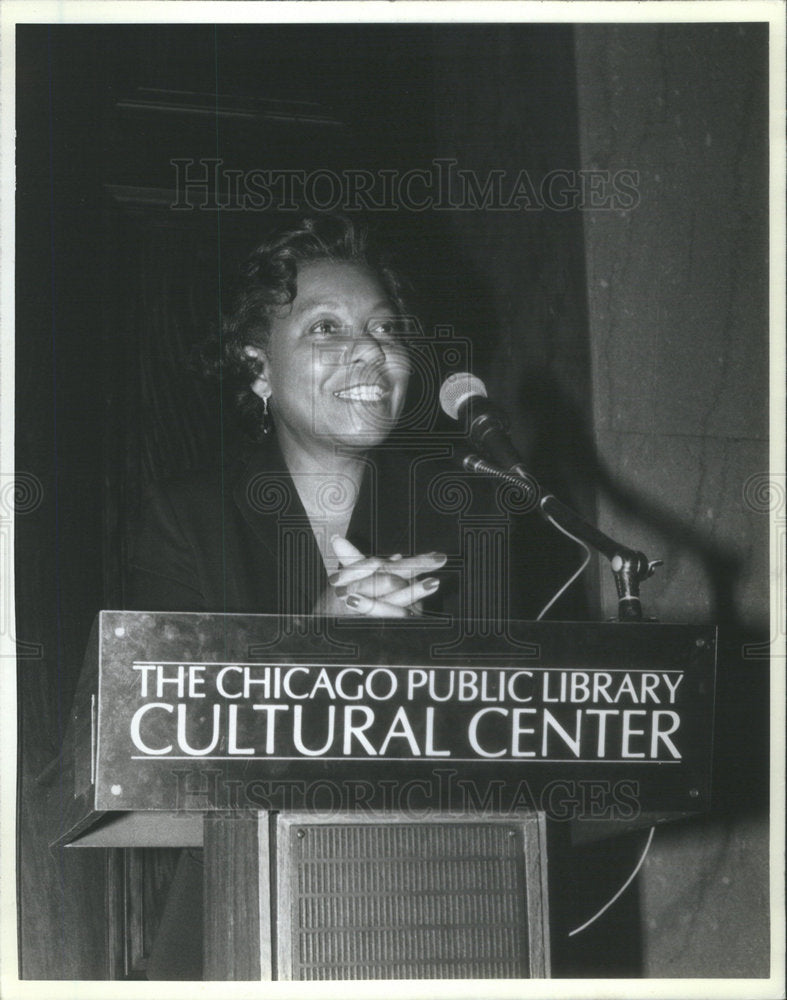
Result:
{"points": [[314, 352], [335, 376], [332, 366]]}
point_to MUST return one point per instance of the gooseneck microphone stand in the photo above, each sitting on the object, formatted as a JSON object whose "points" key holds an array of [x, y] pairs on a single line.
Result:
{"points": [[629, 567]]}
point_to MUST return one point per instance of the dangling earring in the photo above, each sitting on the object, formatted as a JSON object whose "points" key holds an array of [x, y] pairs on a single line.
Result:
{"points": [[267, 422]]}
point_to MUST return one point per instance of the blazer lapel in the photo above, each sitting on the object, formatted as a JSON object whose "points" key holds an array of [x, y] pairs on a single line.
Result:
{"points": [[265, 495]]}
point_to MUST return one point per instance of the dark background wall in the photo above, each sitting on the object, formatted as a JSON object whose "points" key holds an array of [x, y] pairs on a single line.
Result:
{"points": [[678, 307], [564, 311]]}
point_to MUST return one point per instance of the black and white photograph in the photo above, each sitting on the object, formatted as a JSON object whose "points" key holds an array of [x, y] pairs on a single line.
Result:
{"points": [[393, 499]]}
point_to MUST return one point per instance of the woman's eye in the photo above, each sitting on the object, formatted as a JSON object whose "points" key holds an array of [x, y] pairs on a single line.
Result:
{"points": [[384, 328], [325, 328]]}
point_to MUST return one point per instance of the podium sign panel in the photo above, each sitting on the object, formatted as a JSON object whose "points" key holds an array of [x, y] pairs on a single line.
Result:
{"points": [[201, 712]]}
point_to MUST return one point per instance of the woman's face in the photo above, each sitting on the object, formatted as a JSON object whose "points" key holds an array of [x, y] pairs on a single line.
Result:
{"points": [[333, 367]]}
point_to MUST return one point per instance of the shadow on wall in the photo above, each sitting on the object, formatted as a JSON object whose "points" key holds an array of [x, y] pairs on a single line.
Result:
{"points": [[562, 444]]}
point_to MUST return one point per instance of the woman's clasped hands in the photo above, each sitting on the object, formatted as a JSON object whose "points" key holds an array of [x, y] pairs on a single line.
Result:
{"points": [[380, 587]]}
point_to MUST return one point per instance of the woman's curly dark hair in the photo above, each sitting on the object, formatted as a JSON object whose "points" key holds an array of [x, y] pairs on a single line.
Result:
{"points": [[269, 279]]}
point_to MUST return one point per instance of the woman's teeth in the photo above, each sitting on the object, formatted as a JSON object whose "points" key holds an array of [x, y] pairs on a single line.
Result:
{"points": [[365, 393]]}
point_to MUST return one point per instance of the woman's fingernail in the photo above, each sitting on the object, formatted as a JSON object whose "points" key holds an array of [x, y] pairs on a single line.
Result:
{"points": [[341, 591], [431, 583], [397, 557], [333, 578], [353, 601], [437, 555]]}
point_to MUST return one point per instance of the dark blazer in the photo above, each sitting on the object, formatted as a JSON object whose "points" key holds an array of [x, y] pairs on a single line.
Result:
{"points": [[239, 540]]}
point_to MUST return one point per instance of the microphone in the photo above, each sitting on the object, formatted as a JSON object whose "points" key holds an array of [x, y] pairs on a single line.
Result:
{"points": [[462, 395]]}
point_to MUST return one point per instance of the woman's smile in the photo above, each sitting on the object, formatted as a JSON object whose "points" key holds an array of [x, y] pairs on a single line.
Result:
{"points": [[365, 392]]}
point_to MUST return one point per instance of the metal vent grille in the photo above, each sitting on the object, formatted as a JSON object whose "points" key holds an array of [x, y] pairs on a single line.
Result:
{"points": [[403, 901]]}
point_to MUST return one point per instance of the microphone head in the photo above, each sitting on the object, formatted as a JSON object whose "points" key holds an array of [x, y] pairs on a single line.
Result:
{"points": [[458, 388]]}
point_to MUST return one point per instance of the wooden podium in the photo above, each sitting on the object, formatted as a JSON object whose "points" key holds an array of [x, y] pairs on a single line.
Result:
{"points": [[371, 799]]}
